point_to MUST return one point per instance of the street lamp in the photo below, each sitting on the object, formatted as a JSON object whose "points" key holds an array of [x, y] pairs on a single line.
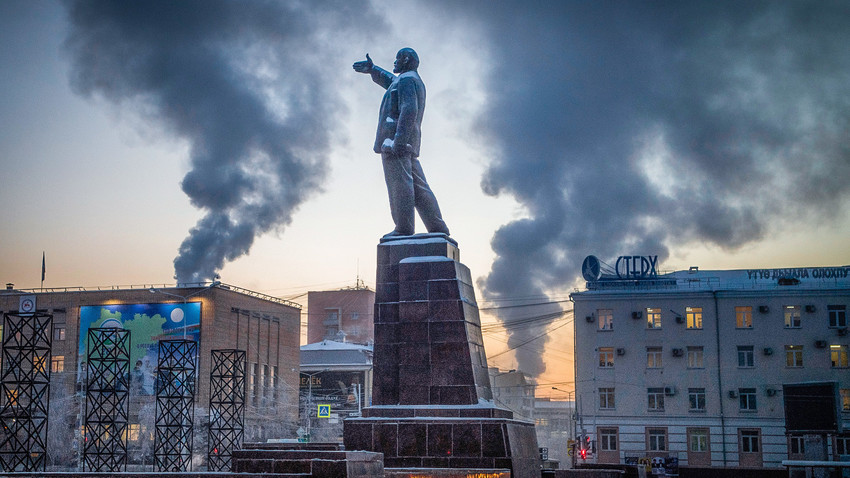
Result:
{"points": [[572, 431], [154, 290]]}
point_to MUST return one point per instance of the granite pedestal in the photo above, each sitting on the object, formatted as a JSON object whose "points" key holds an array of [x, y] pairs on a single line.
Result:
{"points": [[432, 404]]}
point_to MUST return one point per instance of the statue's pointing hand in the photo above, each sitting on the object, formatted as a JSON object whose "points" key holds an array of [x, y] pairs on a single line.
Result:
{"points": [[363, 66]]}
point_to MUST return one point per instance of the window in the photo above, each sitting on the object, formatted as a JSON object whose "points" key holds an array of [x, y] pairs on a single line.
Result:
{"points": [[796, 445], [355, 316], [134, 431], [608, 439], [696, 399], [698, 441], [606, 357], [837, 315], [606, 398], [275, 383], [331, 322], [845, 399], [57, 364], [606, 319], [842, 445], [745, 356], [838, 355], [794, 356], [699, 447], [792, 316], [693, 316], [656, 439], [655, 399], [750, 441], [39, 363], [744, 317], [695, 357], [653, 318], [747, 399], [653, 357], [59, 333]]}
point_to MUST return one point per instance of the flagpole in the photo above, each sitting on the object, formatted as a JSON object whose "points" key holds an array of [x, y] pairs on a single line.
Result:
{"points": [[43, 269]]}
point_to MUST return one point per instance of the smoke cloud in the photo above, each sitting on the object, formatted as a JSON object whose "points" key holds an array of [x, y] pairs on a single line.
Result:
{"points": [[636, 127], [241, 82]]}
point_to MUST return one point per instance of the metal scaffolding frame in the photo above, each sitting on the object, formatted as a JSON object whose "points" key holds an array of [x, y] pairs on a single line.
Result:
{"points": [[107, 400], [25, 379], [175, 399], [227, 407]]}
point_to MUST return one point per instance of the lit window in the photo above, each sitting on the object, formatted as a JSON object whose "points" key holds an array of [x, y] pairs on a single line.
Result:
{"points": [[656, 439], [606, 357], [744, 317], [698, 439], [837, 315], [838, 354], [746, 356], [134, 431], [696, 399], [845, 399], [655, 399], [39, 363], [747, 399], [693, 316], [794, 356], [695, 357], [58, 333], [792, 316], [750, 441], [57, 364], [608, 439], [653, 357], [606, 398], [606, 319], [653, 318]]}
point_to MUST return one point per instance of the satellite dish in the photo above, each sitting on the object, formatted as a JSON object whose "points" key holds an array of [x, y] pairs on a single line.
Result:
{"points": [[591, 269]]}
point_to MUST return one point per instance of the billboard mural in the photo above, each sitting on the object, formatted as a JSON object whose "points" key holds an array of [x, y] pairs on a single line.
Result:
{"points": [[148, 324]]}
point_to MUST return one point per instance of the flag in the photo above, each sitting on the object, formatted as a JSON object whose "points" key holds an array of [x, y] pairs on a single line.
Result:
{"points": [[43, 266]]}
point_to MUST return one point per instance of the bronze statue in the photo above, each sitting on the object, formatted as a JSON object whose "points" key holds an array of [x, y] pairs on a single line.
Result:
{"points": [[397, 141]]}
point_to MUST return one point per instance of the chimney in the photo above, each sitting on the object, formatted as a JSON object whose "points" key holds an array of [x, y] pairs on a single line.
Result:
{"points": [[10, 286]]}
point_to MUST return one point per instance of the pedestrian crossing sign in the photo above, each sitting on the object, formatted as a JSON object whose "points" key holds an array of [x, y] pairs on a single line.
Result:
{"points": [[324, 411]]}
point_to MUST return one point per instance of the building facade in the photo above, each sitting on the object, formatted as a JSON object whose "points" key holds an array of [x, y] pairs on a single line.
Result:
{"points": [[692, 363], [216, 315], [344, 315], [336, 377], [555, 426]]}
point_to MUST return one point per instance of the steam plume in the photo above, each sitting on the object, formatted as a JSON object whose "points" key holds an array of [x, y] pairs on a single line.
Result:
{"points": [[635, 127], [240, 82]]}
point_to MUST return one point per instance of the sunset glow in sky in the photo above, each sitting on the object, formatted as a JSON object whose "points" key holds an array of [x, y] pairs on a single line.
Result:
{"points": [[711, 134]]}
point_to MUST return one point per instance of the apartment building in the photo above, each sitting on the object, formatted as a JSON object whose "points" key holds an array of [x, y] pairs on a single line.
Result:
{"points": [[692, 364]]}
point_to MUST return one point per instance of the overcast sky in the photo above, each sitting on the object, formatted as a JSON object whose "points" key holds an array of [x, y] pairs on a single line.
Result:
{"points": [[237, 137]]}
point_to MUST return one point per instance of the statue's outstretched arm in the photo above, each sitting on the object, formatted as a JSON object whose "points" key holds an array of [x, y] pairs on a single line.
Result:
{"points": [[379, 75]]}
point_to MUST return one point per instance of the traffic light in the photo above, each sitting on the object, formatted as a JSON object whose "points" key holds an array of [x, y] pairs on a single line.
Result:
{"points": [[583, 453]]}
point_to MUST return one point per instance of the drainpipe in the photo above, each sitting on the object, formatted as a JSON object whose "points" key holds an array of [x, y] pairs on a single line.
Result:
{"points": [[719, 379]]}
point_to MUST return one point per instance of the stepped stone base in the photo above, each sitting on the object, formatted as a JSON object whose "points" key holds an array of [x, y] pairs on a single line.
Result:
{"points": [[440, 441], [320, 461]]}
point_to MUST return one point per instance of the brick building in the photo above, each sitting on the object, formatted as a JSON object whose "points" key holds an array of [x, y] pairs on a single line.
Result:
{"points": [[219, 316], [344, 315]]}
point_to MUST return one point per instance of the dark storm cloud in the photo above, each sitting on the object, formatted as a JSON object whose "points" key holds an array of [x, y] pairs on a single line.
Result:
{"points": [[747, 104], [241, 81]]}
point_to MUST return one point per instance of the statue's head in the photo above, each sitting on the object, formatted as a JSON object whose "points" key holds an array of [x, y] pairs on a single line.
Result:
{"points": [[406, 60]]}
